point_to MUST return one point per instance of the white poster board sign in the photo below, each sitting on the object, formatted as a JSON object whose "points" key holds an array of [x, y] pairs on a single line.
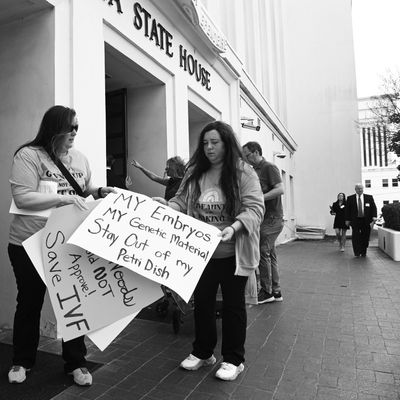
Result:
{"points": [[151, 239], [87, 292], [101, 337]]}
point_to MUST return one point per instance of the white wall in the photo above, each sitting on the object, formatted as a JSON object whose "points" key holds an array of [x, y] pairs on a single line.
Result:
{"points": [[322, 104], [254, 30], [147, 142], [27, 91], [87, 83]]}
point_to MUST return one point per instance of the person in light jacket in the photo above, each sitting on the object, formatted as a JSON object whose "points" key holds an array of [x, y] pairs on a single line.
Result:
{"points": [[219, 188], [35, 166]]}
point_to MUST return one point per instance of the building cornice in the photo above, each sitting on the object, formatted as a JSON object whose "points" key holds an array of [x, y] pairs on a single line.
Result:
{"points": [[199, 18], [209, 33]]}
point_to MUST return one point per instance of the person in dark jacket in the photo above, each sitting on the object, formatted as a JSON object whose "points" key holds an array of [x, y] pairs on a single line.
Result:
{"points": [[338, 209], [360, 215]]}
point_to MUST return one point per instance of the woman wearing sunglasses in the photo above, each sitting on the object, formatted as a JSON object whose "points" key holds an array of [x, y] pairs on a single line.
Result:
{"points": [[38, 183]]}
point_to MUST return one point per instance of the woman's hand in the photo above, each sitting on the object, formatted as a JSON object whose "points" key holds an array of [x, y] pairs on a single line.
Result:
{"points": [[76, 200], [136, 164], [227, 233], [104, 191], [128, 181], [160, 200]]}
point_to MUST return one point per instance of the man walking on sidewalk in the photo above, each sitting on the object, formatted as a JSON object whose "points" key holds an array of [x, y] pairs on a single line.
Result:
{"points": [[361, 216], [271, 227]]}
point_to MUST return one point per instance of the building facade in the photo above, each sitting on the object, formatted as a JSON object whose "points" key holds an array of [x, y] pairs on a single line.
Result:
{"points": [[321, 105], [145, 77], [302, 64]]}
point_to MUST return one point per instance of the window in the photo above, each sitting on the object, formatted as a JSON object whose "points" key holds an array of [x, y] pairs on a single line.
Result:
{"points": [[368, 183], [385, 202], [395, 201], [395, 182], [385, 182]]}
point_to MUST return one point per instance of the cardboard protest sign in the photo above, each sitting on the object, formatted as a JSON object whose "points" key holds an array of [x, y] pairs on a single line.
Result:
{"points": [[154, 240], [104, 336], [33, 247], [101, 337], [87, 292]]}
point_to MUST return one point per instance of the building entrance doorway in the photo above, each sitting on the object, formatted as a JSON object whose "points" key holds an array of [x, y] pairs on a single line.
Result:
{"points": [[197, 120], [135, 115], [116, 131]]}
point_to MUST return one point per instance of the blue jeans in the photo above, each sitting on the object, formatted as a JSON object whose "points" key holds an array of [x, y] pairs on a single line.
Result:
{"points": [[268, 278]]}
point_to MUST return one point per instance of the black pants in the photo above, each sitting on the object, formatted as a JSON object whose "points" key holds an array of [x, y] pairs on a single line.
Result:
{"points": [[361, 230], [220, 272], [26, 334]]}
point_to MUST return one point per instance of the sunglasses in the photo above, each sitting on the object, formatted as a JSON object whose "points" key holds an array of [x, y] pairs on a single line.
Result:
{"points": [[74, 128]]}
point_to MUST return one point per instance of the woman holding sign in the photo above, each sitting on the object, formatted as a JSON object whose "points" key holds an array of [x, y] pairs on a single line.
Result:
{"points": [[221, 189], [46, 172]]}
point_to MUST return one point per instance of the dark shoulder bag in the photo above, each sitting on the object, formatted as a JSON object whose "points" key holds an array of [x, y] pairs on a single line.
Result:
{"points": [[67, 175]]}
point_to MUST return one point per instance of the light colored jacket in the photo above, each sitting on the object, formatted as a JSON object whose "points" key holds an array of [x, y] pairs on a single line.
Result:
{"points": [[249, 211]]}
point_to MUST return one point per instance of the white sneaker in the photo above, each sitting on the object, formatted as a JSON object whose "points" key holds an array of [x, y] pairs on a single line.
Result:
{"points": [[229, 372], [17, 374], [193, 363], [82, 376]]}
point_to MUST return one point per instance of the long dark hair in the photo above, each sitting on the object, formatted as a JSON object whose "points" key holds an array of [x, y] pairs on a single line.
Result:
{"points": [[56, 121], [344, 198], [199, 163]]}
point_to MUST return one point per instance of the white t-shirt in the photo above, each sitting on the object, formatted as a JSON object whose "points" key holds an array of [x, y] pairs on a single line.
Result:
{"points": [[31, 165]]}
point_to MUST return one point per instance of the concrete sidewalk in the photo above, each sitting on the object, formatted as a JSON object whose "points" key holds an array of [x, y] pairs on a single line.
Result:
{"points": [[335, 336]]}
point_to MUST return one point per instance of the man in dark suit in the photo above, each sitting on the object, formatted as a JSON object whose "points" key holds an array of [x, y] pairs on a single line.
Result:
{"points": [[361, 216]]}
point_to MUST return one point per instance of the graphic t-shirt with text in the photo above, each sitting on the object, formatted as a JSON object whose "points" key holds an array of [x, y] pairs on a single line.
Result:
{"points": [[210, 208], [31, 166]]}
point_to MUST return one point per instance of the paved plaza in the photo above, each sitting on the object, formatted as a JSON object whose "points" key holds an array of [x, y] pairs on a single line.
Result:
{"points": [[335, 336]]}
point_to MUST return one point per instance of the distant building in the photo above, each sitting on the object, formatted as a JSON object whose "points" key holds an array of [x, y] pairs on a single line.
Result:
{"points": [[378, 164]]}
